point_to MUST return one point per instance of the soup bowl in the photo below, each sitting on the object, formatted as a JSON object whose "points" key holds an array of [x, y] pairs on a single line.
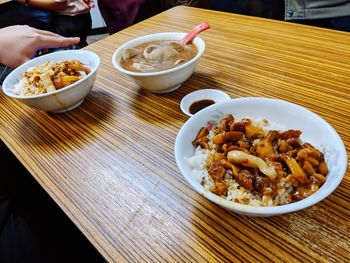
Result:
{"points": [[161, 81]]}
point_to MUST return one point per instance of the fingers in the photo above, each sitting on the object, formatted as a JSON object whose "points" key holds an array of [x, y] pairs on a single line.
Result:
{"points": [[44, 32], [56, 41], [65, 42], [24, 60], [86, 3], [17, 61], [50, 39]]}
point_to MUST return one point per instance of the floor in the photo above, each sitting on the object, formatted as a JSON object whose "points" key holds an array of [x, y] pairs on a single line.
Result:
{"points": [[32, 227]]}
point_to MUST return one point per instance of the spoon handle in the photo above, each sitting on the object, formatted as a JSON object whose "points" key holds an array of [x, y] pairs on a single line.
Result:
{"points": [[194, 32]]}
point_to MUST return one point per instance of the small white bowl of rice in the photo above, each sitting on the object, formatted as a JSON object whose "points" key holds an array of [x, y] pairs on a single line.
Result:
{"points": [[260, 156], [42, 93]]}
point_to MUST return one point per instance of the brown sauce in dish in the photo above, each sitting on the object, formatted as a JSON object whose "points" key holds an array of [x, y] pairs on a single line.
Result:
{"points": [[200, 105], [157, 56]]}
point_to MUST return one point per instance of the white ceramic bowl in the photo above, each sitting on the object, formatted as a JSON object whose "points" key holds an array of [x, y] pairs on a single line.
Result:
{"points": [[61, 100], [161, 81], [202, 94], [315, 131]]}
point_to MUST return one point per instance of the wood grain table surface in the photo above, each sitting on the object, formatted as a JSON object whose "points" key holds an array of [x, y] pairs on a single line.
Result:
{"points": [[110, 165]]}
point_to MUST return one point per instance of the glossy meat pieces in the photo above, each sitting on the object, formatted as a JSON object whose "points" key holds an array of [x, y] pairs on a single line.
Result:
{"points": [[259, 160]]}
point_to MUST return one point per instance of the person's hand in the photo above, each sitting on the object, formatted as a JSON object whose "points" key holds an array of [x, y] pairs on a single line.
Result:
{"points": [[18, 44], [87, 3]]}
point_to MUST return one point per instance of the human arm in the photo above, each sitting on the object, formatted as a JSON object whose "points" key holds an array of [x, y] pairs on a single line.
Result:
{"points": [[51, 5], [24, 41], [54, 5]]}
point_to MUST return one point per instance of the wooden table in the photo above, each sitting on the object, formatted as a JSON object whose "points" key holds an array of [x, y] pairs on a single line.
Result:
{"points": [[110, 164]]}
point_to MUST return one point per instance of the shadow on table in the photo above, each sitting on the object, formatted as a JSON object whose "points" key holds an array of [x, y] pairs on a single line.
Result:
{"points": [[154, 108], [319, 227], [203, 81], [167, 105], [79, 125]]}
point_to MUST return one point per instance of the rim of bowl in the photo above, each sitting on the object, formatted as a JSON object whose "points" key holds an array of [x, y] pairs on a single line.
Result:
{"points": [[260, 210], [14, 72], [172, 36]]}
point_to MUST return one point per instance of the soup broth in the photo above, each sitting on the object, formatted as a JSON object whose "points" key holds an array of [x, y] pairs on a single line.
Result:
{"points": [[157, 56]]}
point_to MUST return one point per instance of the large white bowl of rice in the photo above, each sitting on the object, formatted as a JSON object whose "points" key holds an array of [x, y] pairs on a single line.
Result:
{"points": [[260, 156]]}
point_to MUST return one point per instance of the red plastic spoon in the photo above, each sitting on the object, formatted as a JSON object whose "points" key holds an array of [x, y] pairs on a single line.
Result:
{"points": [[194, 32]]}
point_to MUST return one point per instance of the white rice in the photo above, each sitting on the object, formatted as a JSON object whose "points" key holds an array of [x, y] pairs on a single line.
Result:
{"points": [[198, 164], [18, 90], [266, 124]]}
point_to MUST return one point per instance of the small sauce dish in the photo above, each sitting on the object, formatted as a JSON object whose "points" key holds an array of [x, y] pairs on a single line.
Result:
{"points": [[199, 99]]}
